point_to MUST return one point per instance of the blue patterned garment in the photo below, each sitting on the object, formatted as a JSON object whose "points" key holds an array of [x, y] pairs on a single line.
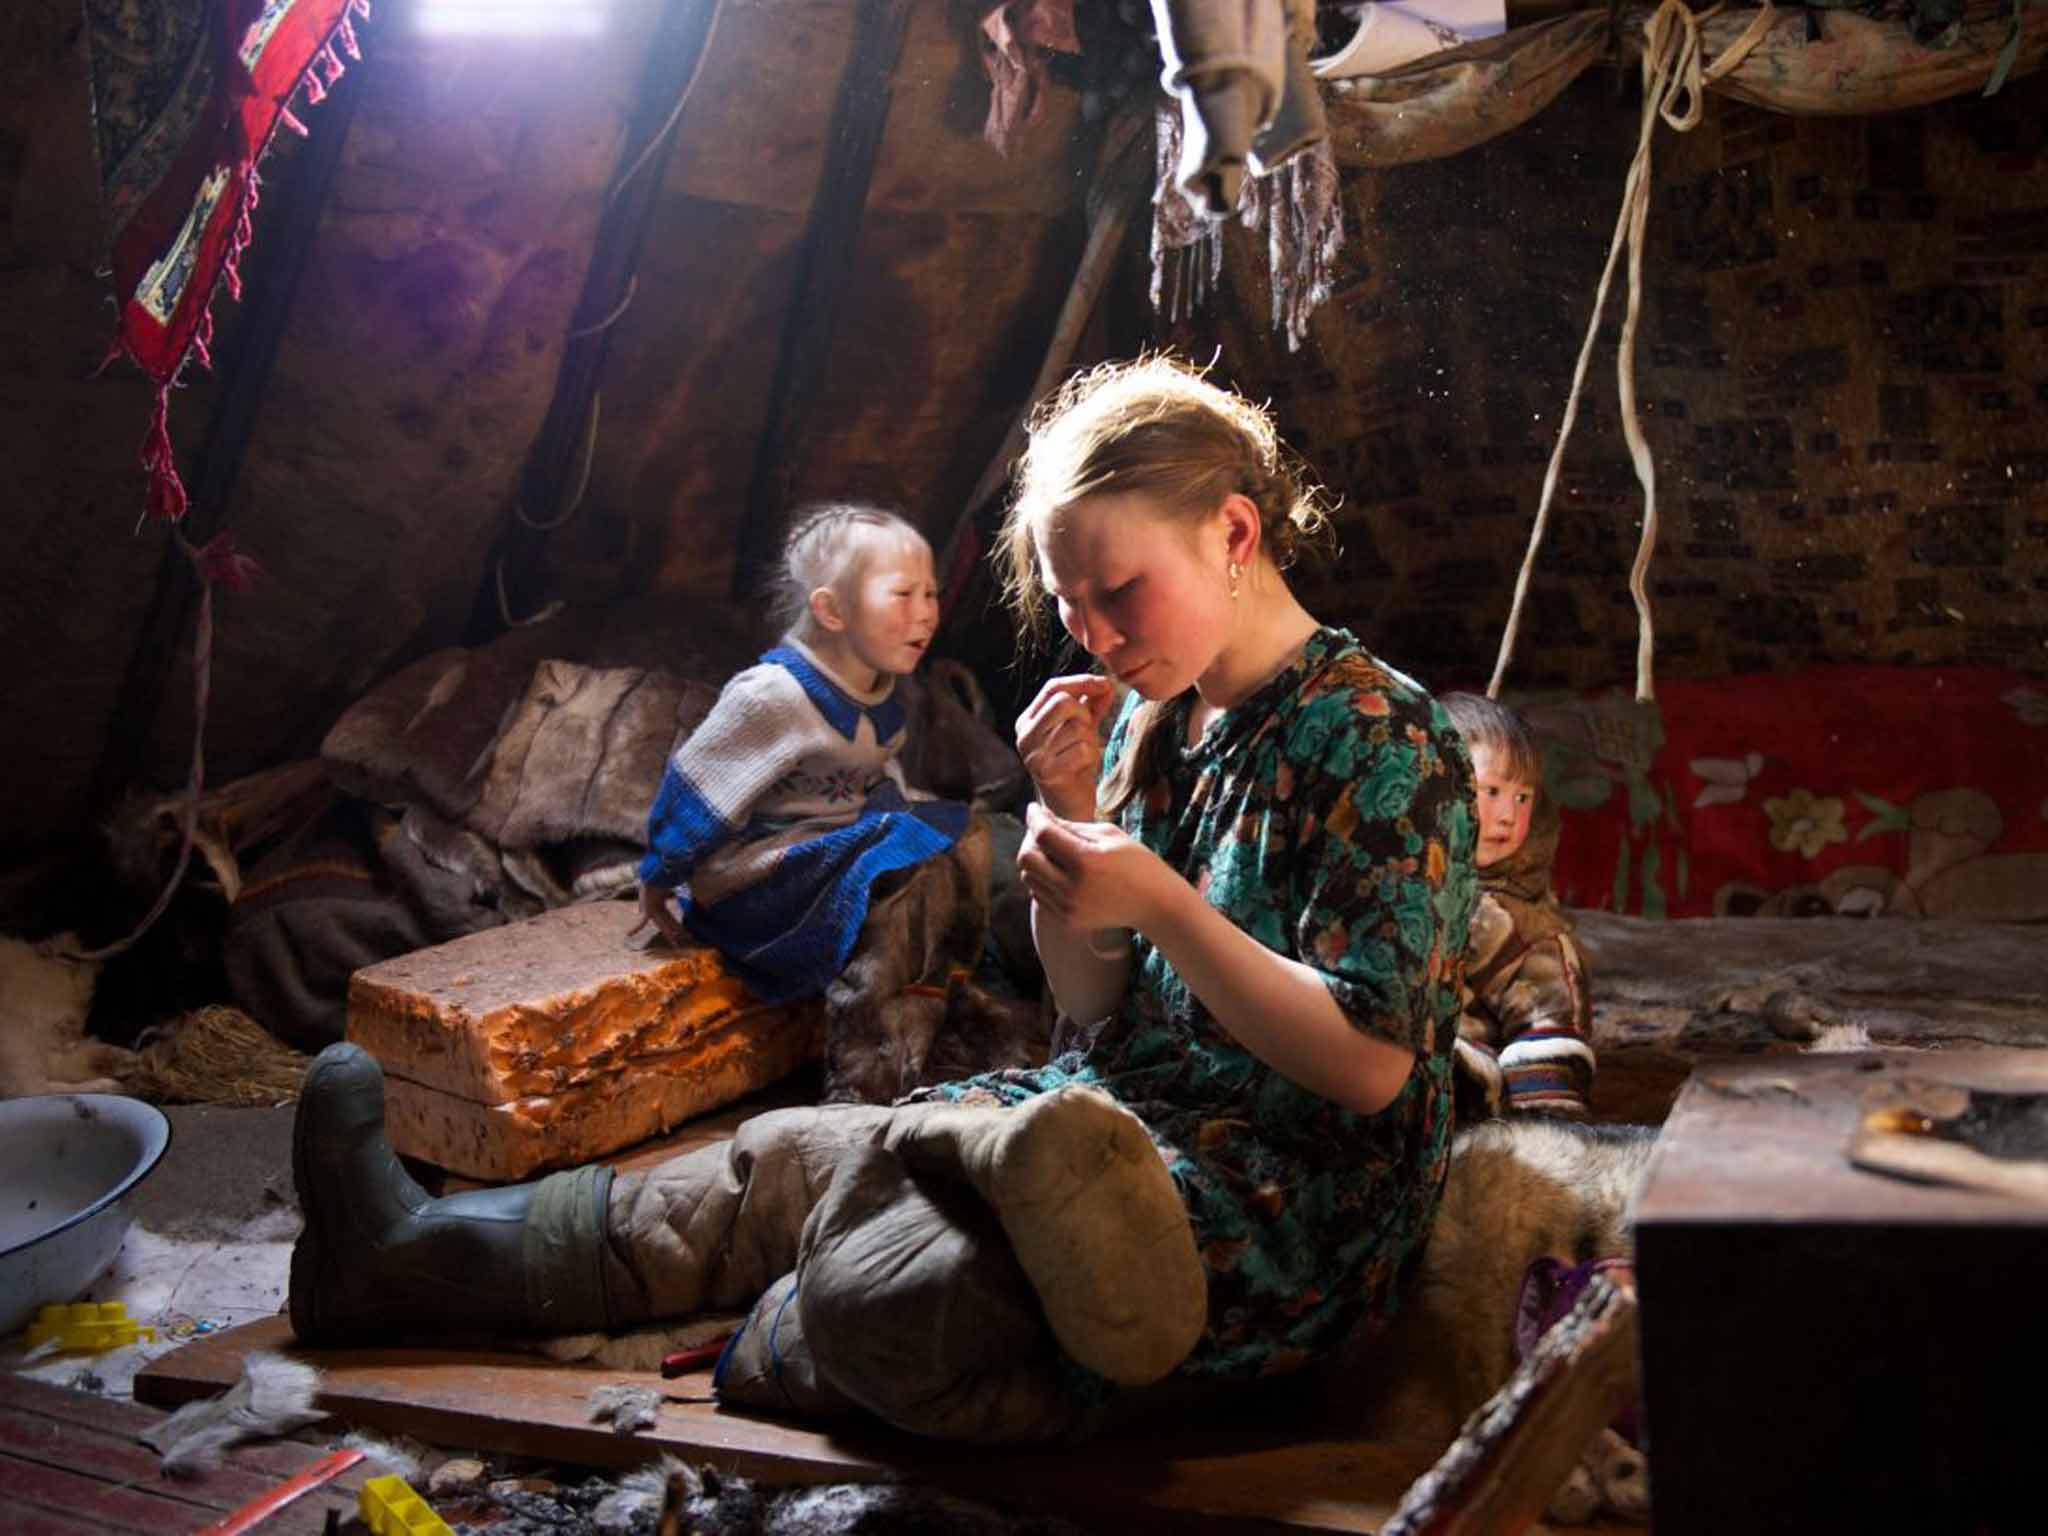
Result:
{"points": [[1329, 815], [781, 811]]}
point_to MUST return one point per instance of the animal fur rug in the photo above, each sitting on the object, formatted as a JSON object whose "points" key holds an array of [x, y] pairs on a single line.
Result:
{"points": [[44, 998], [1520, 1190], [1670, 995]]}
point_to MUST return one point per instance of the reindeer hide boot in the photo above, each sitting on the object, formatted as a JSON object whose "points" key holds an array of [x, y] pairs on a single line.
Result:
{"points": [[379, 1258], [1092, 1214]]}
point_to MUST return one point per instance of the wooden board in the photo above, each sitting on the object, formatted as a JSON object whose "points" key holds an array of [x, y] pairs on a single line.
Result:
{"points": [[1767, 1142], [70, 1463], [1182, 1478], [1513, 1455]]}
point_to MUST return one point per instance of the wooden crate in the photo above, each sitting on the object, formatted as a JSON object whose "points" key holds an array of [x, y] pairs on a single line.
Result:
{"points": [[1827, 1348]]}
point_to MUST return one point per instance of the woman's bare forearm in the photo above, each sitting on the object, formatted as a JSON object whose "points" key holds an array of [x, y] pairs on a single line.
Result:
{"points": [[1277, 1008]]}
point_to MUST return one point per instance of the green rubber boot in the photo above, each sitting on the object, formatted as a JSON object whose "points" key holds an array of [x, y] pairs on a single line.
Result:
{"points": [[380, 1259]]}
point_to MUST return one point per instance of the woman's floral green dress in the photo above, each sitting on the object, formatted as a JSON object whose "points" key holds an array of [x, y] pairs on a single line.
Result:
{"points": [[1329, 816]]}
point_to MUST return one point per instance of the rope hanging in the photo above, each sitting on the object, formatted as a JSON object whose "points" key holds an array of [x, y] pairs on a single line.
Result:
{"points": [[675, 112], [1674, 83], [545, 612], [549, 525], [612, 319], [216, 562]]}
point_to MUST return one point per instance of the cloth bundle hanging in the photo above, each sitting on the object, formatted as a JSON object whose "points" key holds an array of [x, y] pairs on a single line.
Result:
{"points": [[1018, 38], [186, 97], [1391, 33], [1300, 208], [1449, 102], [1248, 101]]}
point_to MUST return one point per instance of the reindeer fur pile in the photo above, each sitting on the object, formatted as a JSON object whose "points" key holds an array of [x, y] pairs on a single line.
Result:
{"points": [[44, 999]]}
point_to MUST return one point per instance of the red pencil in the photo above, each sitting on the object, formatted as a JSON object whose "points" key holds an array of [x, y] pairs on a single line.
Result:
{"points": [[264, 1505]]}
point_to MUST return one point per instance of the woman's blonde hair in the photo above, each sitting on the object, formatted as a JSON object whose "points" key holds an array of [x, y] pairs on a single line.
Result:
{"points": [[828, 545], [1153, 427]]}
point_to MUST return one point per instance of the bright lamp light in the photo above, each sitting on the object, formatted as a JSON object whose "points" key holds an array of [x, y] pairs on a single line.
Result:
{"points": [[514, 18]]}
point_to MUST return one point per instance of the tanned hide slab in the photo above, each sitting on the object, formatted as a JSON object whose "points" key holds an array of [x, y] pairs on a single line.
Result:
{"points": [[548, 1042]]}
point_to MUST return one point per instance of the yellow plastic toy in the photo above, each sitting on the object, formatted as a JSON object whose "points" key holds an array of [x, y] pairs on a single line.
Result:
{"points": [[390, 1508], [89, 1326]]}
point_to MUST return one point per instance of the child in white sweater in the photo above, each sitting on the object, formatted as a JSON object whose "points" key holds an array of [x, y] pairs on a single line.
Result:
{"points": [[783, 808]]}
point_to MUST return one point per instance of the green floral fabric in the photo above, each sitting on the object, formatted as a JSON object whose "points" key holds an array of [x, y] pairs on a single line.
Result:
{"points": [[1329, 815]]}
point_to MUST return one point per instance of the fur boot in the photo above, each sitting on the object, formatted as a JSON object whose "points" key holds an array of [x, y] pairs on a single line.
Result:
{"points": [[883, 1010]]}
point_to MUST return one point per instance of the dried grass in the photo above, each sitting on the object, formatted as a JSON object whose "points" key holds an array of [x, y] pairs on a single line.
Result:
{"points": [[215, 1055]]}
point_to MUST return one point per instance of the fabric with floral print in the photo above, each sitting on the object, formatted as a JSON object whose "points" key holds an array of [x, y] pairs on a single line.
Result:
{"points": [[1329, 816], [1805, 821]]}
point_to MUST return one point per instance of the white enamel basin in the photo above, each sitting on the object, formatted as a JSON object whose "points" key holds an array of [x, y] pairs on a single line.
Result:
{"points": [[68, 1162]]}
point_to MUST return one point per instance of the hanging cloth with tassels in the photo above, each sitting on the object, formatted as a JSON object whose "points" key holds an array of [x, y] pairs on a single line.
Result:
{"points": [[186, 97]]}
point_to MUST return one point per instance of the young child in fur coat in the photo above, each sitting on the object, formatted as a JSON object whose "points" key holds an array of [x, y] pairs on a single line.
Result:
{"points": [[1526, 1031]]}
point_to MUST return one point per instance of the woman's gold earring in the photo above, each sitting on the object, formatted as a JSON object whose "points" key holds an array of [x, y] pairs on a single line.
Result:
{"points": [[1235, 571]]}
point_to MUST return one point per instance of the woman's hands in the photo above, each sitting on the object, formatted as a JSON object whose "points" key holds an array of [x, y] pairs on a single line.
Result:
{"points": [[655, 909], [1059, 736], [1092, 874]]}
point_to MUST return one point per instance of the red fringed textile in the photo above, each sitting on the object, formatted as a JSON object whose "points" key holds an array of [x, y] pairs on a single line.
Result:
{"points": [[184, 187]]}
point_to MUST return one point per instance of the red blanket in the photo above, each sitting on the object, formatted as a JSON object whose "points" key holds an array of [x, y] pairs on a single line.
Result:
{"points": [[1856, 790]]}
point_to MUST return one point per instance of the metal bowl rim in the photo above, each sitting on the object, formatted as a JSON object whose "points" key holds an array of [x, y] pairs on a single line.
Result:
{"points": [[156, 1140]]}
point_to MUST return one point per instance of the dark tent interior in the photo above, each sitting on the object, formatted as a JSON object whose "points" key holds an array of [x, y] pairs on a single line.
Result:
{"points": [[406, 408]]}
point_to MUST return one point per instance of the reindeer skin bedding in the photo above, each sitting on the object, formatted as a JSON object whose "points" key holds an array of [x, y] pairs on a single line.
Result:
{"points": [[1667, 995]]}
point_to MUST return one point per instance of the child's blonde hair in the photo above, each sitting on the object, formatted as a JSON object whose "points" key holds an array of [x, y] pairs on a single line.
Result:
{"points": [[1485, 722], [828, 546], [1153, 427]]}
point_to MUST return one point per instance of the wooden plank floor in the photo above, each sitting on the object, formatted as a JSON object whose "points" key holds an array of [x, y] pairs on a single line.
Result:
{"points": [[70, 1464], [1236, 1477], [504, 1402], [1240, 1477]]}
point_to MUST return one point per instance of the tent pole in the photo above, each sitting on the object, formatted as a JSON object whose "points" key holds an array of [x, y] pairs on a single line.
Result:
{"points": [[675, 52], [824, 268], [245, 365]]}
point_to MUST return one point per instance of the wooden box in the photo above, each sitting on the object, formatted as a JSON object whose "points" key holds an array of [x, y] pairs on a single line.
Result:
{"points": [[548, 1042], [1827, 1348]]}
